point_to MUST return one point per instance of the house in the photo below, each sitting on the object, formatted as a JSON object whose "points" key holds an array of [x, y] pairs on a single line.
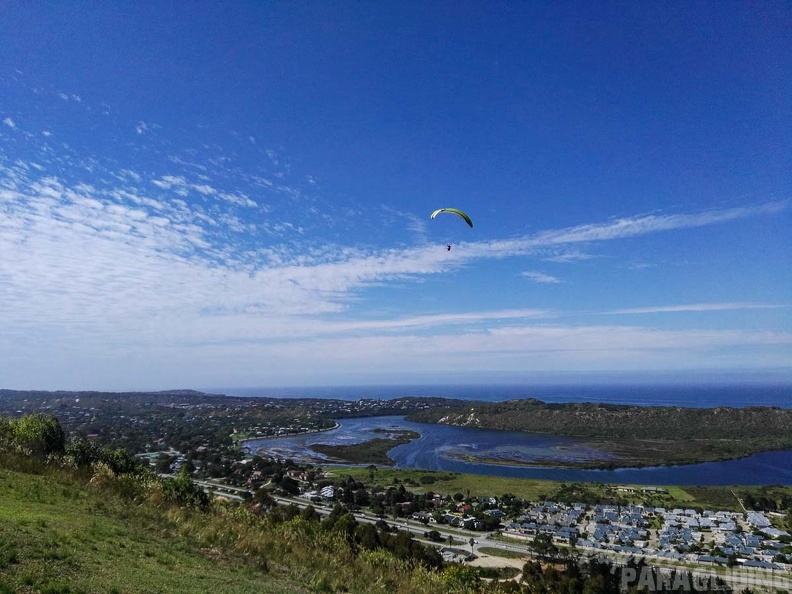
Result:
{"points": [[422, 516], [566, 534], [760, 564], [471, 523], [495, 513], [758, 520]]}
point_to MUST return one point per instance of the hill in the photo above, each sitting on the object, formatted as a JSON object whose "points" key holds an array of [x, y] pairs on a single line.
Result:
{"points": [[67, 533], [637, 435]]}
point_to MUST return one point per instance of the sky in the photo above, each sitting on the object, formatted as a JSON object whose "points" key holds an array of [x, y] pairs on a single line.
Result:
{"points": [[238, 194]]}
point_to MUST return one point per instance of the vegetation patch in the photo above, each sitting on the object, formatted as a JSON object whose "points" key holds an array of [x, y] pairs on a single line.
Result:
{"points": [[374, 451], [635, 435], [506, 554]]}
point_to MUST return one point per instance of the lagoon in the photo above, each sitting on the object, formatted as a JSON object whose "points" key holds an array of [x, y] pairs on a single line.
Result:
{"points": [[444, 447]]}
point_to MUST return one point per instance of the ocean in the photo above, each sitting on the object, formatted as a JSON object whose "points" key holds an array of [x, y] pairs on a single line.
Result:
{"points": [[699, 396]]}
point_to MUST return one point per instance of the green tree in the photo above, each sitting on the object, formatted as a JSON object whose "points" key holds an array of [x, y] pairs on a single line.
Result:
{"points": [[119, 461], [42, 434], [83, 451], [462, 577], [6, 433], [183, 491]]}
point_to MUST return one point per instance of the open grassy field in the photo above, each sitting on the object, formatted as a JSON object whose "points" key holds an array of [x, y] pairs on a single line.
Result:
{"points": [[57, 536], [501, 553], [535, 490], [449, 482]]}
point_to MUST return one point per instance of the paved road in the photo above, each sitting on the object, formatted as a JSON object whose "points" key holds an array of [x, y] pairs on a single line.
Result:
{"points": [[778, 580]]}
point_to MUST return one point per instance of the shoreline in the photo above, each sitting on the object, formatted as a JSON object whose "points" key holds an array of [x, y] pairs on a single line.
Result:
{"points": [[624, 463], [245, 442]]}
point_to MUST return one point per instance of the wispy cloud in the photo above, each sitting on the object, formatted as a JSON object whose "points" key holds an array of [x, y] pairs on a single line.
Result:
{"points": [[563, 256], [199, 259], [695, 307], [620, 229], [540, 277], [77, 252]]}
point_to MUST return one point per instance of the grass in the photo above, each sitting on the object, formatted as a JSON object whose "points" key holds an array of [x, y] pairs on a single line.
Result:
{"points": [[498, 573], [494, 552], [57, 536], [714, 498], [451, 482]]}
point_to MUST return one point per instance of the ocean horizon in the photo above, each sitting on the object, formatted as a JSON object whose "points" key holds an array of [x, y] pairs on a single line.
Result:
{"points": [[694, 396]]}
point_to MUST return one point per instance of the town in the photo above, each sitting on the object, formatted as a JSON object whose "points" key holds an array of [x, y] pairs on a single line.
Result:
{"points": [[203, 435], [694, 536]]}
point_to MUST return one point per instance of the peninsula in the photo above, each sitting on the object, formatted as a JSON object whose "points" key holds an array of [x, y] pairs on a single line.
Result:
{"points": [[634, 436]]}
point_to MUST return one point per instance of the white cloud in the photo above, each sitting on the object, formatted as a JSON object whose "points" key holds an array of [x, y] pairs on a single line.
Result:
{"points": [[619, 229], [540, 277], [564, 256], [9, 122], [142, 270], [695, 307], [143, 127]]}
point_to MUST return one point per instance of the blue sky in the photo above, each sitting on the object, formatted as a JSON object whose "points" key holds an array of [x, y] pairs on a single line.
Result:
{"points": [[238, 194]]}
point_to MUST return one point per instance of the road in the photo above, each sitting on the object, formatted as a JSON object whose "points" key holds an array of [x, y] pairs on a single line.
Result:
{"points": [[461, 540]]}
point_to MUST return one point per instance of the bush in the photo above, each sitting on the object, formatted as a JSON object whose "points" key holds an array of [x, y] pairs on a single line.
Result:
{"points": [[185, 493], [41, 434]]}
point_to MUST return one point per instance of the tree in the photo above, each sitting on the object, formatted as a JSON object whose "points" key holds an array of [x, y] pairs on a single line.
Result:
{"points": [[120, 462], [163, 464], [264, 501], [289, 485], [543, 545], [372, 470], [42, 434], [83, 451], [183, 491], [462, 577], [309, 514], [346, 525]]}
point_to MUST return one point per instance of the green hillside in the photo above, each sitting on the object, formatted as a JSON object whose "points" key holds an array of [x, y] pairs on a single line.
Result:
{"points": [[57, 535], [62, 532]]}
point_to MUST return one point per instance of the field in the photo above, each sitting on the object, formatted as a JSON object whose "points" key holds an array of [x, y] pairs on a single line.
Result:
{"points": [[536, 490]]}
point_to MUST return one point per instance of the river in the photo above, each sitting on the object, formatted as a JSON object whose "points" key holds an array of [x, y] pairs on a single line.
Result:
{"points": [[444, 447]]}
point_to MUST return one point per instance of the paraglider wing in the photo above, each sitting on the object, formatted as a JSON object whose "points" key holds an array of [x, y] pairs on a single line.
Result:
{"points": [[455, 211]]}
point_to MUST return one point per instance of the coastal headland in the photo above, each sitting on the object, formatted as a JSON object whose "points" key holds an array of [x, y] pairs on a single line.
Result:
{"points": [[628, 436], [634, 436]]}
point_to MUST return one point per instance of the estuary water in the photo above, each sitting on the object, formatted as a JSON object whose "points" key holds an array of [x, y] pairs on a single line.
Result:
{"points": [[447, 448]]}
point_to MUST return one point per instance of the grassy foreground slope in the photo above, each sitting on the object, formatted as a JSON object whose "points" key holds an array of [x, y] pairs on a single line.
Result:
{"points": [[59, 536], [62, 532]]}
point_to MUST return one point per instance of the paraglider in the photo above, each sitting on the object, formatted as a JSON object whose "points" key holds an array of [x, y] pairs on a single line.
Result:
{"points": [[455, 211]]}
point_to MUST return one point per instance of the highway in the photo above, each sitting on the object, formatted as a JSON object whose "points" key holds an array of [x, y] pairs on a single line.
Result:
{"points": [[461, 540]]}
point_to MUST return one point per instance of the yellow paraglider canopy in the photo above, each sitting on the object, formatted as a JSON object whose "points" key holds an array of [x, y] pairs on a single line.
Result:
{"points": [[455, 211]]}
